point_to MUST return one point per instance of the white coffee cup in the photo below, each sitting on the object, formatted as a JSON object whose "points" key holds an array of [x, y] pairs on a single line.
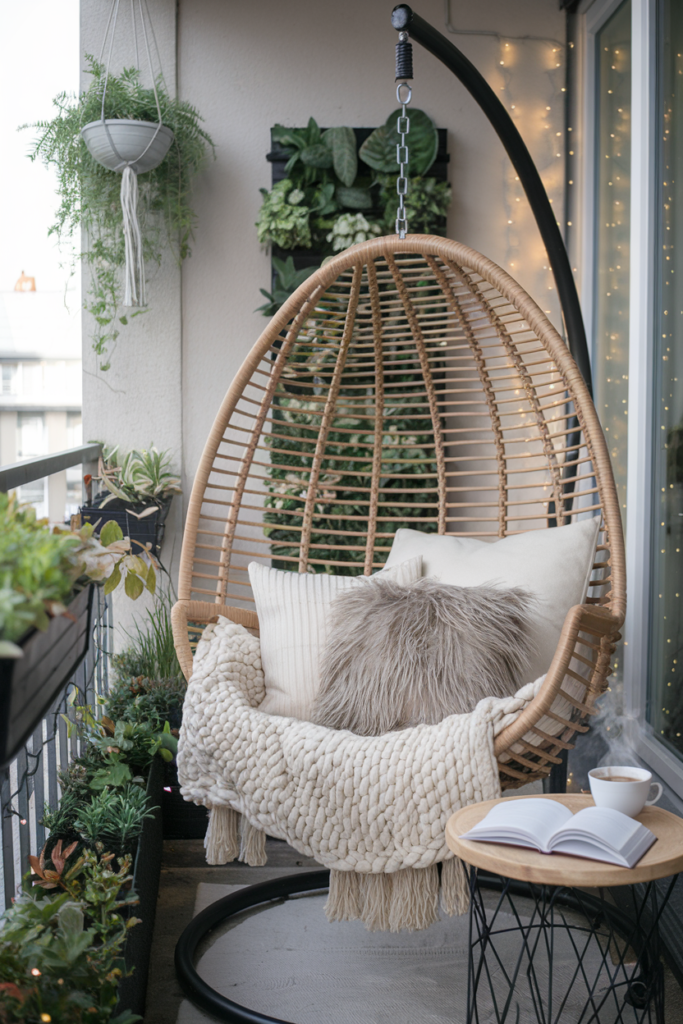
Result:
{"points": [[623, 788]]}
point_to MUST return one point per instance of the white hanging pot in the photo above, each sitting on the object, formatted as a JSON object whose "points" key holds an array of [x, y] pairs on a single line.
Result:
{"points": [[118, 143]]}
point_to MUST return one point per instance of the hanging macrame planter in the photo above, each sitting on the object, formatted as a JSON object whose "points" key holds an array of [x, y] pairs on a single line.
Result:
{"points": [[129, 148]]}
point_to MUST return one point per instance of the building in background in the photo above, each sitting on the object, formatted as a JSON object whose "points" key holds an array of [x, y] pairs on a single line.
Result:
{"points": [[40, 388]]}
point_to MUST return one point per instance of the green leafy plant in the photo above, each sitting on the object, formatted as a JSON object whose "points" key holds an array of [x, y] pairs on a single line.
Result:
{"points": [[141, 699], [61, 944], [284, 218], [41, 567], [89, 193], [142, 476], [345, 469], [379, 149], [287, 280], [113, 819], [426, 203], [151, 652], [350, 228]]}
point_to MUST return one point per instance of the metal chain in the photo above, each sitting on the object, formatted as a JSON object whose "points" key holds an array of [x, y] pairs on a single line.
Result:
{"points": [[402, 127]]}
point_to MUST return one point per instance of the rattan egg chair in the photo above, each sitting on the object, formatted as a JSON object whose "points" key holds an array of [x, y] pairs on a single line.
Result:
{"points": [[408, 383]]}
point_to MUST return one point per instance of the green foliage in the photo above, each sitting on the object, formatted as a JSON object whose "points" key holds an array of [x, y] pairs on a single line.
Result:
{"points": [[350, 228], [142, 476], [151, 653], [41, 567], [90, 194], [426, 203], [287, 280], [342, 142], [345, 471], [154, 700], [113, 819], [61, 944], [379, 149], [36, 571], [314, 206], [284, 218]]}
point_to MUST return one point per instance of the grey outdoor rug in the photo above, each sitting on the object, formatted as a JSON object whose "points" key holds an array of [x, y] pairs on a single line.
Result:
{"points": [[285, 960]]}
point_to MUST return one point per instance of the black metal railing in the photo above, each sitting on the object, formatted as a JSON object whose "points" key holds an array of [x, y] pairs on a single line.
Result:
{"points": [[30, 783]]}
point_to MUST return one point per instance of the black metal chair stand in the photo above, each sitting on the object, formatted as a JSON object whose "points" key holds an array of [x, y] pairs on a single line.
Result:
{"points": [[194, 987]]}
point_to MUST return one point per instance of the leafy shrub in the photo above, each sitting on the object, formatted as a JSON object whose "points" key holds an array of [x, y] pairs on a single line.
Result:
{"points": [[61, 952], [40, 568], [36, 570], [113, 819], [151, 652], [147, 700]]}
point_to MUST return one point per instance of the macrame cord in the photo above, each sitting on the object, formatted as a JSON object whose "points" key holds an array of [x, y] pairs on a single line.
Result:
{"points": [[135, 293]]}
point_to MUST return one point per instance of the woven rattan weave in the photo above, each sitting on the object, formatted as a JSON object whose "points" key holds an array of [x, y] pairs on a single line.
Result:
{"points": [[408, 383]]}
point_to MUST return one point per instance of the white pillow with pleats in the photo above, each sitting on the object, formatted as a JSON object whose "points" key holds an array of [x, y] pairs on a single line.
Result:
{"points": [[293, 610], [554, 565]]}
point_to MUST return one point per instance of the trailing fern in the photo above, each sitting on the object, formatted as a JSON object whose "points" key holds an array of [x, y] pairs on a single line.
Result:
{"points": [[89, 193]]}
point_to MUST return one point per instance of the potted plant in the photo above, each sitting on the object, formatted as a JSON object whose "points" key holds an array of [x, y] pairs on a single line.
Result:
{"points": [[137, 495], [46, 579], [116, 108]]}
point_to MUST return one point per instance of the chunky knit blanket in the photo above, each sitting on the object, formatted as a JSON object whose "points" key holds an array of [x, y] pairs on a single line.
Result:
{"points": [[371, 808]]}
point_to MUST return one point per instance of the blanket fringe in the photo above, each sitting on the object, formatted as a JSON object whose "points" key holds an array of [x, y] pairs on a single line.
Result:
{"points": [[455, 887], [253, 845], [221, 841], [406, 899]]}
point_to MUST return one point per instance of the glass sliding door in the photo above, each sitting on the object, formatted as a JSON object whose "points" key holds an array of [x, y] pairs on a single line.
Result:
{"points": [[612, 229], [665, 705]]}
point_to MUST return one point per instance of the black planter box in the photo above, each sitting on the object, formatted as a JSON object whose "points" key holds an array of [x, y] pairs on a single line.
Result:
{"points": [[182, 820], [29, 685], [149, 530], [146, 874]]}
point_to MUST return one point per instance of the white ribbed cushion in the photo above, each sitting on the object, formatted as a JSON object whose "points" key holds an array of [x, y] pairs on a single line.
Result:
{"points": [[292, 611], [553, 564]]}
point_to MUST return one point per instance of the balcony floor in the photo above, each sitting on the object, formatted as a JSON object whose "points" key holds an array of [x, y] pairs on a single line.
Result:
{"points": [[184, 869]]}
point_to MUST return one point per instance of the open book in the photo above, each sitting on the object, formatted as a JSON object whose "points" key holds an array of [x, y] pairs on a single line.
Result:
{"points": [[598, 833]]}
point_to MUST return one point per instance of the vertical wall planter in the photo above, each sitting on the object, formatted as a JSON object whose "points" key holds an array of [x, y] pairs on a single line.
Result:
{"points": [[28, 685]]}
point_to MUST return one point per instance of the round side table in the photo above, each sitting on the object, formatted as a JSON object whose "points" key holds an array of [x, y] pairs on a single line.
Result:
{"points": [[615, 946]]}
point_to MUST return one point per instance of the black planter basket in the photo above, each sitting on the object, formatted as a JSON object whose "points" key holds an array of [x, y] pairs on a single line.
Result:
{"points": [[29, 685], [149, 530], [146, 874], [182, 820]]}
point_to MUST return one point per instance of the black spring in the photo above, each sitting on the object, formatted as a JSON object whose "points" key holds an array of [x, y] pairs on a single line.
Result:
{"points": [[404, 59]]}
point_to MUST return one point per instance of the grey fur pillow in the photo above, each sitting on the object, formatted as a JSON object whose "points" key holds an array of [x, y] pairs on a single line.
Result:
{"points": [[401, 655]]}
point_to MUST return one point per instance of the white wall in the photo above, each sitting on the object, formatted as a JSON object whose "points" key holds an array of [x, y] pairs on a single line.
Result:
{"points": [[248, 65]]}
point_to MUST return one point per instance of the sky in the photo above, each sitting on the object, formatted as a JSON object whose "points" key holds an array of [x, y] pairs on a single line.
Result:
{"points": [[39, 58]]}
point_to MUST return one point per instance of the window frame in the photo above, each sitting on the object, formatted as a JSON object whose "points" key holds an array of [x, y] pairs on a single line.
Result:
{"points": [[642, 283]]}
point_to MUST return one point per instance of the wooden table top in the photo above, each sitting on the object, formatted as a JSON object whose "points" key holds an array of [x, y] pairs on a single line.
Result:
{"points": [[664, 858]]}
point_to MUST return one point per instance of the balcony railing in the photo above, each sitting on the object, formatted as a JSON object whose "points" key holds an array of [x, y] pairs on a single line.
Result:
{"points": [[30, 783]]}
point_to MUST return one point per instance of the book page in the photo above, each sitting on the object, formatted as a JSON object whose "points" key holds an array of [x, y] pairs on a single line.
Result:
{"points": [[532, 818], [610, 828]]}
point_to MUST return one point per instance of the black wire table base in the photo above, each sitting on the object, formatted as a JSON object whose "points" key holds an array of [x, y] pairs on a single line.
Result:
{"points": [[612, 970]]}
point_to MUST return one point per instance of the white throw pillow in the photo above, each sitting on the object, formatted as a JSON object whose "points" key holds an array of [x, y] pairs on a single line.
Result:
{"points": [[293, 612], [553, 564]]}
